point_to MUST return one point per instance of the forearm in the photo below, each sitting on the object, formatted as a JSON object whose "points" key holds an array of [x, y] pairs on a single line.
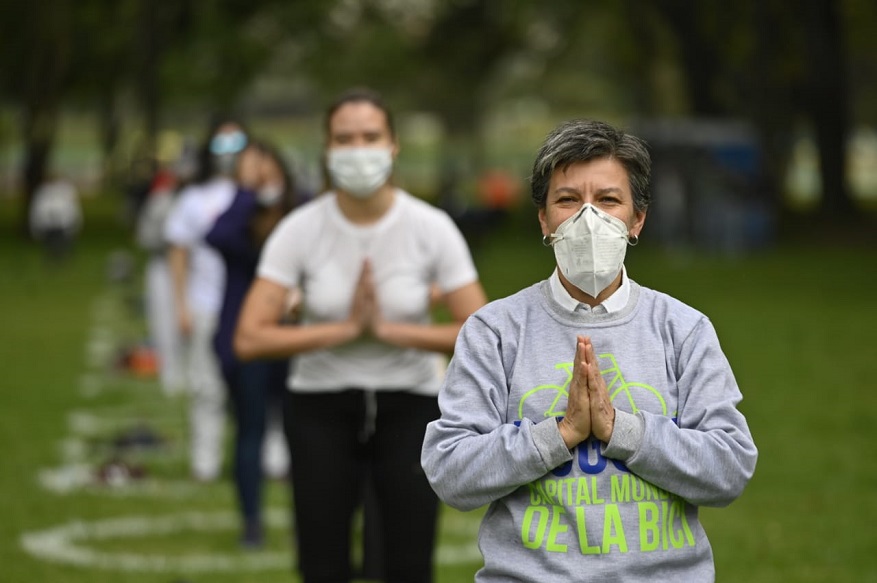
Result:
{"points": [[461, 303], [703, 467], [467, 469], [282, 341], [178, 263], [705, 455], [433, 337]]}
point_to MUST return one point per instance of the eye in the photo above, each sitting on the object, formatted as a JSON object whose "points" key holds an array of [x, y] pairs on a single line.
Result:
{"points": [[372, 137], [566, 199]]}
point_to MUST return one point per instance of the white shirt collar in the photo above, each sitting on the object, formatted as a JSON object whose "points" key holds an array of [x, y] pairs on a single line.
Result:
{"points": [[613, 303]]}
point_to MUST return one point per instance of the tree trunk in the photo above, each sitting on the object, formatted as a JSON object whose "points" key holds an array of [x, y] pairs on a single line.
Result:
{"points": [[48, 58], [772, 104], [829, 104], [149, 93], [697, 53]]}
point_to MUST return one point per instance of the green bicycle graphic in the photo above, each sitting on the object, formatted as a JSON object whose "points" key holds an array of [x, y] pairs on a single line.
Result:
{"points": [[616, 386]]}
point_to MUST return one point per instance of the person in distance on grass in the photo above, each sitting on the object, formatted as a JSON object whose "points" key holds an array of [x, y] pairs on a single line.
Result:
{"points": [[593, 415], [366, 256], [265, 194], [198, 277]]}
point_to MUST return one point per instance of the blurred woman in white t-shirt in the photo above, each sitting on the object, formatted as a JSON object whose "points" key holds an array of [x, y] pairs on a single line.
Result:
{"points": [[366, 256]]}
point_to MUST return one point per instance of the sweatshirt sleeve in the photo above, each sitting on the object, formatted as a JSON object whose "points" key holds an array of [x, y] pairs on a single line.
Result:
{"points": [[707, 456], [472, 454]]}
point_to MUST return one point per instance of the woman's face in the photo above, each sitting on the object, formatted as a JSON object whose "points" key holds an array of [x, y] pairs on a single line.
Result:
{"points": [[603, 182], [360, 124]]}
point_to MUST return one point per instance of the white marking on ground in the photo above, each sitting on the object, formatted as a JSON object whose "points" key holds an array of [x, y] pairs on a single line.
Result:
{"points": [[68, 544], [74, 543]]}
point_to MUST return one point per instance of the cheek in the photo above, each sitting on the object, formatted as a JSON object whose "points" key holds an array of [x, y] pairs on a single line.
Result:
{"points": [[551, 220], [628, 217]]}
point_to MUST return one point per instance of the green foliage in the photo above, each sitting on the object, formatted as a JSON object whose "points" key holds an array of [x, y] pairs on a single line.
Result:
{"points": [[459, 60]]}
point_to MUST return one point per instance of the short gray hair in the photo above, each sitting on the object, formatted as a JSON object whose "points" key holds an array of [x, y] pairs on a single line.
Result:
{"points": [[581, 140]]}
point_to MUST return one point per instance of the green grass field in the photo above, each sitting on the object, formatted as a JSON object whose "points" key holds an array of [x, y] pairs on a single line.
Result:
{"points": [[797, 324]]}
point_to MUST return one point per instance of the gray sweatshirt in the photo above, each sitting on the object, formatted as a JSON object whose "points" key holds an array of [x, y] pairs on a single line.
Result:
{"points": [[622, 511]]}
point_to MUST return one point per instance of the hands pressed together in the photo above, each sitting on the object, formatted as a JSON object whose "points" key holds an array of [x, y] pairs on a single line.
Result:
{"points": [[589, 410], [365, 315]]}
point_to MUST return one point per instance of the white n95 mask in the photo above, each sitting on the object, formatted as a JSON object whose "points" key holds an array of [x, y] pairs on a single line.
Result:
{"points": [[589, 247], [359, 171]]}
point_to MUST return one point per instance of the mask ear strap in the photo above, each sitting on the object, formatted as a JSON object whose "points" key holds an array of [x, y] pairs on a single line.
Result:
{"points": [[632, 240], [546, 240]]}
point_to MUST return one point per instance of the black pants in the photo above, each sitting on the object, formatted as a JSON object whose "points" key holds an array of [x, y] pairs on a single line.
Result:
{"points": [[337, 439], [256, 390]]}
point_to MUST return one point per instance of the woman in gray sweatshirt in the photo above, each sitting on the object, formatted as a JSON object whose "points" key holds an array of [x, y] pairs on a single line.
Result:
{"points": [[593, 415]]}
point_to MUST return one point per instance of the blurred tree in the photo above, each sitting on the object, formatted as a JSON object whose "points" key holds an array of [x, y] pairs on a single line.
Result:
{"points": [[452, 58], [34, 73], [827, 101], [93, 51], [769, 61], [774, 63]]}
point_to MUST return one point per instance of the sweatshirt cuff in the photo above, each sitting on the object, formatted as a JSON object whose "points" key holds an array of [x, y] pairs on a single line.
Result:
{"points": [[627, 435], [550, 444]]}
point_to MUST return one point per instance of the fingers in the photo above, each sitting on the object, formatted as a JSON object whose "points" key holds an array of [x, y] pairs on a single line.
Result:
{"points": [[593, 366], [602, 411], [575, 427], [365, 286], [580, 381], [364, 301]]}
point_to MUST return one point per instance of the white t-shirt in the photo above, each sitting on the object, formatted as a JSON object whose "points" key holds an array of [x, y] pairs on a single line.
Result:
{"points": [[413, 246], [194, 213]]}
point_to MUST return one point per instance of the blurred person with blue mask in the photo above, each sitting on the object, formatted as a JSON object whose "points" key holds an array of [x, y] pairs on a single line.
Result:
{"points": [[590, 414], [265, 194], [198, 276], [366, 256]]}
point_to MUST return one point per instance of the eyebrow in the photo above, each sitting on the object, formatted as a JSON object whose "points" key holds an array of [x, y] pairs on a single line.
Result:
{"points": [[607, 190], [370, 133]]}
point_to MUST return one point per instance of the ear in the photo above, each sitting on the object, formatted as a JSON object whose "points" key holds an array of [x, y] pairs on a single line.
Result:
{"points": [[639, 219], [543, 223]]}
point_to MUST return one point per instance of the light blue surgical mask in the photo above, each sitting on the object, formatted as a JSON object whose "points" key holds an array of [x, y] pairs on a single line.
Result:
{"points": [[228, 143]]}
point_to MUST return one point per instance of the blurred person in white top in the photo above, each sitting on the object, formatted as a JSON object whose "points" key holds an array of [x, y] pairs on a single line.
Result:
{"points": [[366, 256], [198, 276]]}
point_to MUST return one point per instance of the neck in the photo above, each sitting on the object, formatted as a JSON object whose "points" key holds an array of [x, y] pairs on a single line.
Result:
{"points": [[363, 211]]}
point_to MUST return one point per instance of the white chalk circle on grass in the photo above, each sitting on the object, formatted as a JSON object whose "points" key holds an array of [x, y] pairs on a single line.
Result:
{"points": [[69, 544]]}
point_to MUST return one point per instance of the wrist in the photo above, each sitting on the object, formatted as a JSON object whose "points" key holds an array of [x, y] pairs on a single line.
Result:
{"points": [[568, 432], [350, 330], [381, 330]]}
